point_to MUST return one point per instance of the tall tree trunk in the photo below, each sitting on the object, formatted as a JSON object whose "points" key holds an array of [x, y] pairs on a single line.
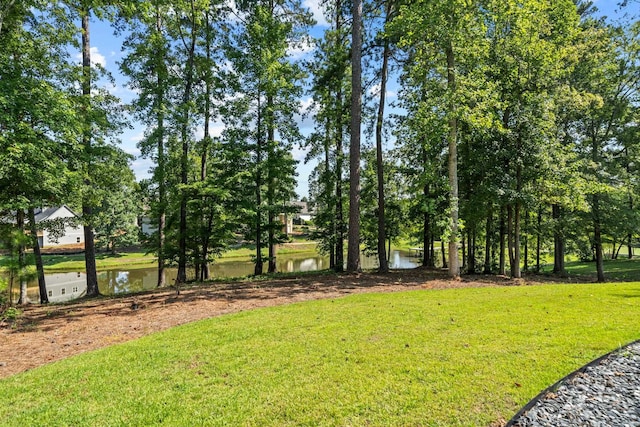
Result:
{"points": [[353, 250], [558, 241], [382, 258], [510, 242], [87, 211], [339, 238], [471, 263], [597, 227], [206, 146], [487, 245], [258, 267], [42, 285], [426, 231], [502, 270], [22, 299], [538, 239], [526, 242], [454, 264], [444, 253], [184, 159], [162, 187], [630, 235], [271, 187], [597, 238], [328, 189]]}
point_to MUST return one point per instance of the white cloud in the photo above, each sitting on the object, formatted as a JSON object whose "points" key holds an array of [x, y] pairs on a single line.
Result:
{"points": [[317, 10], [96, 57], [299, 49]]}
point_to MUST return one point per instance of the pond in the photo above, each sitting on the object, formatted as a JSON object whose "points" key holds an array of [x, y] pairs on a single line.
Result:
{"points": [[66, 286]]}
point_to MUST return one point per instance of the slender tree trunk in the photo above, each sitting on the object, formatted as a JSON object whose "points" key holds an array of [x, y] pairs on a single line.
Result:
{"points": [[426, 233], [328, 188], [382, 259], [597, 240], [339, 238], [353, 249], [502, 270], [597, 232], [444, 253], [558, 241], [454, 264], [42, 285], [87, 211], [630, 235], [258, 267], [487, 245], [471, 264], [184, 160], [463, 242], [526, 242], [22, 299], [162, 188], [271, 186], [538, 239], [206, 146]]}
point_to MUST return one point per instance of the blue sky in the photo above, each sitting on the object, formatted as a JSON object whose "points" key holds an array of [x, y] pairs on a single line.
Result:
{"points": [[106, 50]]}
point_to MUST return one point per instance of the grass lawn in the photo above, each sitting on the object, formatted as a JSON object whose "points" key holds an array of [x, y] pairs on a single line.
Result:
{"points": [[465, 357]]}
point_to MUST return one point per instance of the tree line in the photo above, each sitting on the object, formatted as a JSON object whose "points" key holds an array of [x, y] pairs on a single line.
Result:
{"points": [[513, 132]]}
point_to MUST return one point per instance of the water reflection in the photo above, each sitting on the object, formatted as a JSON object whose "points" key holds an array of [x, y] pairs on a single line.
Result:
{"points": [[63, 287]]}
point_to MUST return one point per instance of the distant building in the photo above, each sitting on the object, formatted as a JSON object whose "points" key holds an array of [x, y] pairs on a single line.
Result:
{"points": [[71, 235], [304, 214]]}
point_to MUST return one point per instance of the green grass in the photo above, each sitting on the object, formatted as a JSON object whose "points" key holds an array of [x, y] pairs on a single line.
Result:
{"points": [[139, 259], [465, 357], [619, 270]]}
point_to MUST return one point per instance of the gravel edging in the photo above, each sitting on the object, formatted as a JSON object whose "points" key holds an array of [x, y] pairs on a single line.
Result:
{"points": [[605, 392]]}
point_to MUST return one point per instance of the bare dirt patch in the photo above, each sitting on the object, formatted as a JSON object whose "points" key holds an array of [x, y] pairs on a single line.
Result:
{"points": [[48, 333]]}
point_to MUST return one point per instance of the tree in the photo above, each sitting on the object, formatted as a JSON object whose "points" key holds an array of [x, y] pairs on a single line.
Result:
{"points": [[147, 66], [353, 250], [270, 85], [329, 88]]}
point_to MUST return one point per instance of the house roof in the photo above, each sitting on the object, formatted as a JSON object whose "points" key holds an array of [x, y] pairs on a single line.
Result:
{"points": [[304, 208], [47, 213]]}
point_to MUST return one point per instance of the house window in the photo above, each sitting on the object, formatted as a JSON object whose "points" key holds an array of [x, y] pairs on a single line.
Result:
{"points": [[75, 289], [50, 293], [64, 291], [77, 240]]}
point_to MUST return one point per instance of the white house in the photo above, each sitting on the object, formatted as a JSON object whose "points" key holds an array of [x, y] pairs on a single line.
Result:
{"points": [[72, 235], [305, 213]]}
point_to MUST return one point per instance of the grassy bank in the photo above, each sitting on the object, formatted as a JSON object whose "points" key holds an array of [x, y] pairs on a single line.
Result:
{"points": [[140, 259], [466, 357]]}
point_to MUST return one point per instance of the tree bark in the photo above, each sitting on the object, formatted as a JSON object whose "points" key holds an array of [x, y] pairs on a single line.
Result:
{"points": [[270, 187], [162, 188], [22, 299], [184, 160], [558, 241], [538, 240], [339, 237], [87, 211], [454, 264], [42, 284], [502, 270], [487, 245], [353, 249], [597, 238], [382, 258], [258, 179]]}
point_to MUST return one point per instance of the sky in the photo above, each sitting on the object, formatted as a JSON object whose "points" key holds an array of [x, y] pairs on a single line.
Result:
{"points": [[106, 50]]}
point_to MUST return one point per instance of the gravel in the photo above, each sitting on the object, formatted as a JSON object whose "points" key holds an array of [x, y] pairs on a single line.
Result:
{"points": [[604, 393]]}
